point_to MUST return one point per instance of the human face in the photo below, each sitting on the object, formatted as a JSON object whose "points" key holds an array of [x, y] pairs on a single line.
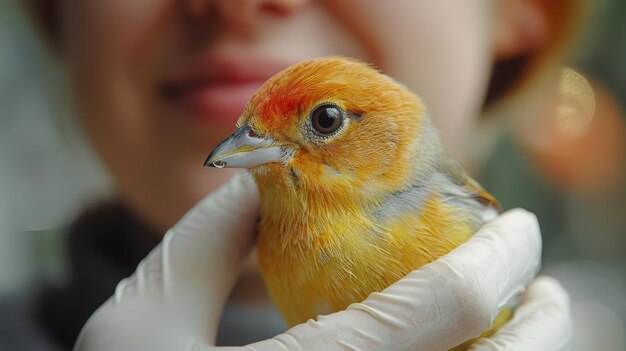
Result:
{"points": [[159, 83]]}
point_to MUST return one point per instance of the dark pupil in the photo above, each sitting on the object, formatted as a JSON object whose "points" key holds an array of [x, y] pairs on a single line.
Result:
{"points": [[327, 119]]}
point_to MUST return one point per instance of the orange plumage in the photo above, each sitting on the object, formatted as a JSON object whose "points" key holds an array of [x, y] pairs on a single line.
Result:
{"points": [[356, 189]]}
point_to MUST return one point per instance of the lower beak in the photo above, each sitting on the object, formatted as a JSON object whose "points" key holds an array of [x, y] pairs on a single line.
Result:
{"points": [[245, 149]]}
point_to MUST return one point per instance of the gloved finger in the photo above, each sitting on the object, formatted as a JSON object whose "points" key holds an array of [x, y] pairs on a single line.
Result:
{"points": [[438, 306], [541, 322], [178, 291], [213, 238]]}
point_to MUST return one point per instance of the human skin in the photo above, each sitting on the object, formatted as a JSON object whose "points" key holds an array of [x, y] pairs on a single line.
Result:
{"points": [[132, 66]]}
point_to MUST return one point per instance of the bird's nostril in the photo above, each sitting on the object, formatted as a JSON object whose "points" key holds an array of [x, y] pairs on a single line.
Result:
{"points": [[219, 164]]}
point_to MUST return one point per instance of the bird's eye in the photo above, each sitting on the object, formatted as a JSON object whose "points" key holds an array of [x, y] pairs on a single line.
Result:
{"points": [[326, 119]]}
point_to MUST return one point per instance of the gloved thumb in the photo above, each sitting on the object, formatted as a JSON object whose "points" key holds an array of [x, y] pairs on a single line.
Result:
{"points": [[180, 288], [203, 252]]}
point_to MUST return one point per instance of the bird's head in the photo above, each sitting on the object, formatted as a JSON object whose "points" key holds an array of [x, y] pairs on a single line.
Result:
{"points": [[328, 122]]}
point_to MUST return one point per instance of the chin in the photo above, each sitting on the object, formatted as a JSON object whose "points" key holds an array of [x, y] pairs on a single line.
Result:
{"points": [[268, 171]]}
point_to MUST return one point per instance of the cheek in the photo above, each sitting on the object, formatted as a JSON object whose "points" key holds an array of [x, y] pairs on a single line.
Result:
{"points": [[108, 26], [114, 50], [440, 49], [103, 40], [107, 43], [360, 153]]}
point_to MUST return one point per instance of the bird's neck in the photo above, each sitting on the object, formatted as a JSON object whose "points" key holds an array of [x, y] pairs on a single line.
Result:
{"points": [[299, 214], [309, 199]]}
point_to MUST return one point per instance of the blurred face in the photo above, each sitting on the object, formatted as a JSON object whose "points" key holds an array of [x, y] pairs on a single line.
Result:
{"points": [[159, 83]]}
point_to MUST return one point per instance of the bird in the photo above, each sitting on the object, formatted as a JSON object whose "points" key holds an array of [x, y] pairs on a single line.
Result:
{"points": [[356, 189]]}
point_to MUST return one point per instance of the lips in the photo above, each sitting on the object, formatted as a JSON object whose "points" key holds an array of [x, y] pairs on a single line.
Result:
{"points": [[216, 89]]}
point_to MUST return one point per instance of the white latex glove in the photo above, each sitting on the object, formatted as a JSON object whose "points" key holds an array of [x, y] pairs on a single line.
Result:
{"points": [[175, 298]]}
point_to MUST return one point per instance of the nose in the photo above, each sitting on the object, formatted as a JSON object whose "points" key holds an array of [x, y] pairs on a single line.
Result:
{"points": [[241, 12]]}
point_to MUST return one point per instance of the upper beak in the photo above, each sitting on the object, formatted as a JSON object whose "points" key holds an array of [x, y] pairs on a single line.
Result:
{"points": [[245, 149]]}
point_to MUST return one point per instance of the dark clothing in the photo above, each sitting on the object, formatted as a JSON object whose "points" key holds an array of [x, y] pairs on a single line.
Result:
{"points": [[19, 327], [106, 244]]}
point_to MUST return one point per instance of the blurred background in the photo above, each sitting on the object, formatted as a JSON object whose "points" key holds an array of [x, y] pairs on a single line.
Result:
{"points": [[48, 173]]}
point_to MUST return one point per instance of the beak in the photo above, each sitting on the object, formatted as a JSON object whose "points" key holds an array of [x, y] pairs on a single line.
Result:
{"points": [[245, 149]]}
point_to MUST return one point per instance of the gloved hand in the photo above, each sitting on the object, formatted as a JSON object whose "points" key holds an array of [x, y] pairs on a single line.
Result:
{"points": [[175, 298]]}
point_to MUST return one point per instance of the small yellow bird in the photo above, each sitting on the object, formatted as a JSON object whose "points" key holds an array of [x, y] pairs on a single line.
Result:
{"points": [[356, 188]]}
